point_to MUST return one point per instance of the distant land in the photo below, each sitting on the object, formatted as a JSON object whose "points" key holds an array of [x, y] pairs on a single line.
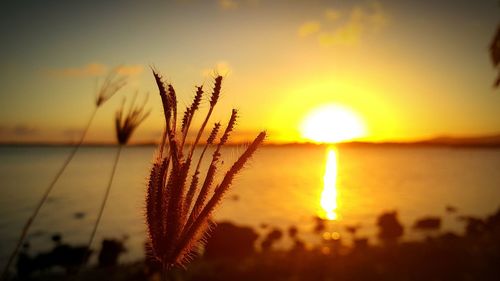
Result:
{"points": [[492, 141], [476, 141]]}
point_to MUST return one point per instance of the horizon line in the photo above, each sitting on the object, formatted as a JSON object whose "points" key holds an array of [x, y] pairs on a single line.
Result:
{"points": [[421, 143]]}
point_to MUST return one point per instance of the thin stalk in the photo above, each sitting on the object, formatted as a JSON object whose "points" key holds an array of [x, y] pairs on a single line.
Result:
{"points": [[105, 199], [195, 178], [200, 132], [164, 272], [194, 181], [45, 195]]}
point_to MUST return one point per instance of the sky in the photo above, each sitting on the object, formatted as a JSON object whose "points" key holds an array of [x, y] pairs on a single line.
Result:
{"points": [[409, 70]]}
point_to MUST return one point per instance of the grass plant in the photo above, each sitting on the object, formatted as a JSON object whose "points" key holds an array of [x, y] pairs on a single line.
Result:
{"points": [[111, 85], [125, 125], [176, 226]]}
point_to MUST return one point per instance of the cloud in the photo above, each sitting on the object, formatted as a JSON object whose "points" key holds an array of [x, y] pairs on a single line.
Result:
{"points": [[91, 69], [222, 67], [228, 4], [378, 18], [348, 27], [332, 14], [235, 4], [20, 130], [94, 69], [348, 34], [309, 28], [130, 70]]}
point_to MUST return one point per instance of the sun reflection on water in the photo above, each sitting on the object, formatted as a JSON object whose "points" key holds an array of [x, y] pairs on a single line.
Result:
{"points": [[329, 194]]}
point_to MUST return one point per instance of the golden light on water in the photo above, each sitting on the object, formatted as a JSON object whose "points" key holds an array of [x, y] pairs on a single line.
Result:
{"points": [[329, 194], [331, 124]]}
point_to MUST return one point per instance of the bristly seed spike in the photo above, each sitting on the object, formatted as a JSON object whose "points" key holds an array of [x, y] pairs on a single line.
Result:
{"points": [[176, 226]]}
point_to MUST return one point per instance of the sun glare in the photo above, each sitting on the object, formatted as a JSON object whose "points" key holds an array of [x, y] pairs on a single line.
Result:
{"points": [[328, 199], [332, 124]]}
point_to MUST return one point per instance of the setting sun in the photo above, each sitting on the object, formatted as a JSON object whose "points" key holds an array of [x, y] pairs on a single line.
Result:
{"points": [[331, 124]]}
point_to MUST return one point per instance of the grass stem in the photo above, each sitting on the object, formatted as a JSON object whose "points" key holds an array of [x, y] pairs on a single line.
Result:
{"points": [[105, 199], [45, 195]]}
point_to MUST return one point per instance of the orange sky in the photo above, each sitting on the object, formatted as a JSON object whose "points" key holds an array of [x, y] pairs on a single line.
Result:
{"points": [[409, 69]]}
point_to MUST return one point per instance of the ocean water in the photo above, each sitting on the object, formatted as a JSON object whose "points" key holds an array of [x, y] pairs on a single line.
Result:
{"points": [[280, 187]]}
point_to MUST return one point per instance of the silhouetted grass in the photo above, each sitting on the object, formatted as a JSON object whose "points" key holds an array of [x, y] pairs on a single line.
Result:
{"points": [[112, 83], [177, 226], [125, 125]]}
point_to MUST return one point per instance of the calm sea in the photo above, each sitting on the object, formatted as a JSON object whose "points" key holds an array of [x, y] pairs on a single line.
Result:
{"points": [[281, 187]]}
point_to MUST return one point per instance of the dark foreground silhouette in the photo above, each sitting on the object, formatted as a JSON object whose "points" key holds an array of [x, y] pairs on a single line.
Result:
{"points": [[62, 255], [237, 253], [65, 259]]}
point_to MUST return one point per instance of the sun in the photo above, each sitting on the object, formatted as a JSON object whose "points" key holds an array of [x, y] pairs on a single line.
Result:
{"points": [[332, 124]]}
